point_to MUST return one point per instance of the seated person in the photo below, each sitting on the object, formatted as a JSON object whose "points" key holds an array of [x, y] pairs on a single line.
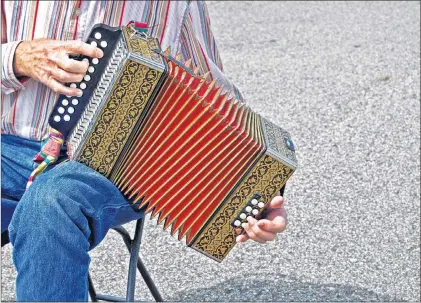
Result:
{"points": [[69, 208]]}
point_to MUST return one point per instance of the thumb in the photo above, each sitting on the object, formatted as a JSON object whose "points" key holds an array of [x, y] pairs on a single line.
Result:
{"points": [[276, 202]]}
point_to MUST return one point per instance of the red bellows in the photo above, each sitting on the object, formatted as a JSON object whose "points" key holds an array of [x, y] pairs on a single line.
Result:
{"points": [[194, 146]]}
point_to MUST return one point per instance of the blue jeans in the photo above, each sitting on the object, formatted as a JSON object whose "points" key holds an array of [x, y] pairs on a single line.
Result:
{"points": [[65, 213]]}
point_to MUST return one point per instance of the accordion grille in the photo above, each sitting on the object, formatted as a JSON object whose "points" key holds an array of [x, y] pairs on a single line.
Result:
{"points": [[98, 98], [194, 147]]}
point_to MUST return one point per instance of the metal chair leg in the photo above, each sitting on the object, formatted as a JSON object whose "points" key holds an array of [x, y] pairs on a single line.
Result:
{"points": [[141, 267], [134, 253], [148, 280], [92, 292], [135, 263]]}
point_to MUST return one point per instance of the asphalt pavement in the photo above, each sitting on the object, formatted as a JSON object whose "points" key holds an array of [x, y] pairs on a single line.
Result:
{"points": [[344, 79]]}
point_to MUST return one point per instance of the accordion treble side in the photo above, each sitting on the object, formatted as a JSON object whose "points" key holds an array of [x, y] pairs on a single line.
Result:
{"points": [[175, 144]]}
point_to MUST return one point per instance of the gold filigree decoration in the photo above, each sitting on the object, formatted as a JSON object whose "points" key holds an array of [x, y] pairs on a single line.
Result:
{"points": [[132, 90], [143, 47]]}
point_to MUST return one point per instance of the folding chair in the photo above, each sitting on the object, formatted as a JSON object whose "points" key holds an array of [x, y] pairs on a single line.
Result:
{"points": [[133, 245]]}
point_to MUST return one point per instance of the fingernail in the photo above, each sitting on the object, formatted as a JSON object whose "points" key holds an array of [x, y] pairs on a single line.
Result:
{"points": [[79, 93], [238, 239], [100, 53]]}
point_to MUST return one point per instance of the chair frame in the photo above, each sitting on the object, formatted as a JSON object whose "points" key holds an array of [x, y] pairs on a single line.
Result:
{"points": [[135, 263]]}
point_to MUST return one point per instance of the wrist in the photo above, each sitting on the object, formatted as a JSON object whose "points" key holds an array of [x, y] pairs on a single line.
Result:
{"points": [[19, 59]]}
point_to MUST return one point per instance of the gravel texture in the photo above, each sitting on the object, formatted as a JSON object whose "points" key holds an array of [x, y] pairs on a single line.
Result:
{"points": [[344, 79]]}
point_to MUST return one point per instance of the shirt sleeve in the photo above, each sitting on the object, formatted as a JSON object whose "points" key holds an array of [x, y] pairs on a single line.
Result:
{"points": [[9, 82], [197, 42]]}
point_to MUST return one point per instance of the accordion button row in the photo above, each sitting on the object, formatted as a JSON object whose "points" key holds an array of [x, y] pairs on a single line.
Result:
{"points": [[62, 110], [65, 102], [70, 108], [253, 208], [57, 118], [103, 44]]}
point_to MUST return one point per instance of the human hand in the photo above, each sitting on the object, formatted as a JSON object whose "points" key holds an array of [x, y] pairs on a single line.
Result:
{"points": [[266, 229], [47, 61]]}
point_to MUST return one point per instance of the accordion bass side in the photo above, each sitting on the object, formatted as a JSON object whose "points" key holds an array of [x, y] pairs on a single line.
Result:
{"points": [[175, 144]]}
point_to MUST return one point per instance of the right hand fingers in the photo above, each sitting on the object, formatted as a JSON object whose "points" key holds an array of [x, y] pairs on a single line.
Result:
{"points": [[61, 58], [67, 77], [72, 66], [60, 88], [79, 47]]}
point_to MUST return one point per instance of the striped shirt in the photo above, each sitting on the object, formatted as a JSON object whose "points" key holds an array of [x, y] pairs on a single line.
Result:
{"points": [[184, 26]]}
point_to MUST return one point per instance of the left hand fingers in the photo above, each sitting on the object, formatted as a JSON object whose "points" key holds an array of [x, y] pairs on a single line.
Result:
{"points": [[259, 232], [252, 235], [271, 214], [242, 238], [275, 225]]}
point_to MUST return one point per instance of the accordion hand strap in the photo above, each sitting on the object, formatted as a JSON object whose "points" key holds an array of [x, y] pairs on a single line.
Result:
{"points": [[50, 151]]}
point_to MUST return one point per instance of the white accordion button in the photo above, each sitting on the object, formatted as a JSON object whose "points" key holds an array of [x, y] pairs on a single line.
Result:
{"points": [[65, 102], [98, 35], [243, 225], [66, 118], [104, 44], [71, 110], [75, 101], [83, 85], [254, 202], [243, 216], [60, 110], [57, 118], [87, 78], [73, 85], [248, 209], [94, 44], [91, 69], [95, 60], [261, 204], [237, 223], [255, 211]]}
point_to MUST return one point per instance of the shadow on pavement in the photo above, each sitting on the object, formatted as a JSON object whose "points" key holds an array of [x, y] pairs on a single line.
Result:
{"points": [[241, 290]]}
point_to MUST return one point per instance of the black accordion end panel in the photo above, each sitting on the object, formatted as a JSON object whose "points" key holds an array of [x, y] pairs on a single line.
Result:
{"points": [[68, 110]]}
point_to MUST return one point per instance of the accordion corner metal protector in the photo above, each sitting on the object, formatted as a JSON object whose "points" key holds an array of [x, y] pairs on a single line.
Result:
{"points": [[176, 145]]}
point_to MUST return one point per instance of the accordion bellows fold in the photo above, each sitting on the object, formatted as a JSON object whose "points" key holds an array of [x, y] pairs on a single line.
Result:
{"points": [[176, 144], [196, 144]]}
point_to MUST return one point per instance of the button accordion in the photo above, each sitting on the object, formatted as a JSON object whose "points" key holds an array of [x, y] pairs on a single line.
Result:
{"points": [[175, 144]]}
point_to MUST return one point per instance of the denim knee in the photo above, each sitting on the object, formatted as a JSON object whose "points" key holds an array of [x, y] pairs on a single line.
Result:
{"points": [[72, 195], [51, 204]]}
